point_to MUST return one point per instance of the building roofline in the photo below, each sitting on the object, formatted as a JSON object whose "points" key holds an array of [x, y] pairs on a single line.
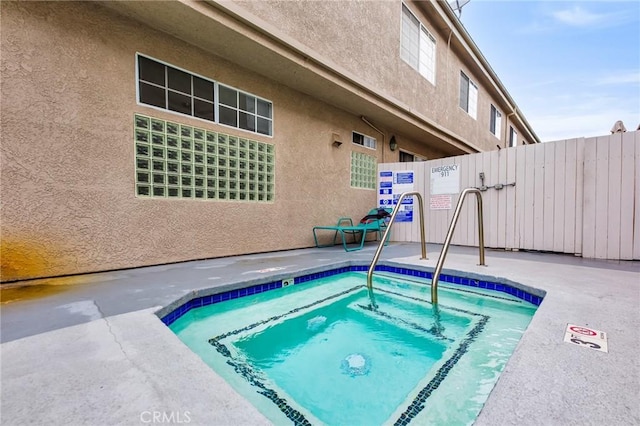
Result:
{"points": [[293, 64], [471, 46]]}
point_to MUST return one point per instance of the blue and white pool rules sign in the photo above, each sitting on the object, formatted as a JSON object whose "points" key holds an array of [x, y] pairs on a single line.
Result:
{"points": [[391, 186]]}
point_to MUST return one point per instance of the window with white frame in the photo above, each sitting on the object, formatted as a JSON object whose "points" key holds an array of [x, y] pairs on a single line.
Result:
{"points": [[418, 46], [364, 140], [513, 137], [245, 111], [468, 95], [167, 87], [407, 157], [495, 122]]}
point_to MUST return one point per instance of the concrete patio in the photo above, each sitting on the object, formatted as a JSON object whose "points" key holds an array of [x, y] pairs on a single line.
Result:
{"points": [[94, 353]]}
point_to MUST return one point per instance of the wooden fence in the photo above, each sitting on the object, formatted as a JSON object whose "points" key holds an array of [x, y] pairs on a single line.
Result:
{"points": [[578, 196]]}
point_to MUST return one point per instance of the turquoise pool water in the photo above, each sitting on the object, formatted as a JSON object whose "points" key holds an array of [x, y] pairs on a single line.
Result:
{"points": [[316, 353]]}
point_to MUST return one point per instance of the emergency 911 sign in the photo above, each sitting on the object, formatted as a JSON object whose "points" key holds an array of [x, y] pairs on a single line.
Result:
{"points": [[445, 179]]}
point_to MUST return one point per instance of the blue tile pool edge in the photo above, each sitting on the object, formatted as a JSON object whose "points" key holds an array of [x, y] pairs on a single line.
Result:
{"points": [[205, 297]]}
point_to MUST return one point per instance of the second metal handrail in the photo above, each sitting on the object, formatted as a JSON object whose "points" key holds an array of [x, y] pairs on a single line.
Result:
{"points": [[447, 241], [376, 256]]}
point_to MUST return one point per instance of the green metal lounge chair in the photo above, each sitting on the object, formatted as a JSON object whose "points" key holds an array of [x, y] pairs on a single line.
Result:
{"points": [[374, 222]]}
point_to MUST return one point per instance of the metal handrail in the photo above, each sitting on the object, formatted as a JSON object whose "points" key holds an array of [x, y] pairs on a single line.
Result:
{"points": [[376, 256], [447, 240]]}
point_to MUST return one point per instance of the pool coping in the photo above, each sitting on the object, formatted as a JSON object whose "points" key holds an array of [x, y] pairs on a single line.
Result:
{"points": [[242, 288]]}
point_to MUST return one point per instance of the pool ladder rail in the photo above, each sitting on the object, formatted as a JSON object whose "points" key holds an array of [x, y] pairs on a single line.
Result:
{"points": [[445, 247], [376, 256]]}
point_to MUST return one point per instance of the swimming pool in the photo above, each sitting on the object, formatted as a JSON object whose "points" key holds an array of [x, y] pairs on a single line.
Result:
{"points": [[318, 354]]}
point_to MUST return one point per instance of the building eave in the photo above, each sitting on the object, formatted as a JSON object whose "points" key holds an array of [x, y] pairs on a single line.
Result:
{"points": [[228, 31]]}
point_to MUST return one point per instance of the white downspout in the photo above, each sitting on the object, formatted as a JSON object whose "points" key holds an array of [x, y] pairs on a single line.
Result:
{"points": [[363, 118]]}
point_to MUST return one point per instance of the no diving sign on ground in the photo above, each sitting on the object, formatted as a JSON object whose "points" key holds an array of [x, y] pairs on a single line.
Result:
{"points": [[586, 337]]}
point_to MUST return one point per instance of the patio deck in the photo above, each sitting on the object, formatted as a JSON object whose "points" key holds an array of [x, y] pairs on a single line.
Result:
{"points": [[95, 353]]}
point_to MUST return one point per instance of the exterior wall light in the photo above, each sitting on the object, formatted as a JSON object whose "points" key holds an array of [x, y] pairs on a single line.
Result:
{"points": [[393, 145]]}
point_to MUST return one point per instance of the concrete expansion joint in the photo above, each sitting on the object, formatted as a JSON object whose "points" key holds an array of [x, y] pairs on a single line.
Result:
{"points": [[137, 367], [115, 338]]}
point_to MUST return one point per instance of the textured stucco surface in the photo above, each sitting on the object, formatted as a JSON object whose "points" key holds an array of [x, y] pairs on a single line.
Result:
{"points": [[68, 100], [364, 38]]}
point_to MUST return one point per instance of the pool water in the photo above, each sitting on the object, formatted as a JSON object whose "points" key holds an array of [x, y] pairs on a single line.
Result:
{"points": [[317, 353]]}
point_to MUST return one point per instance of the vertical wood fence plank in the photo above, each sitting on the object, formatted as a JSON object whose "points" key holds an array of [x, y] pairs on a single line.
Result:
{"points": [[589, 199], [447, 215], [468, 213], [460, 236], [579, 194], [559, 165], [538, 206], [441, 218], [491, 224], [636, 219], [529, 213], [627, 196], [570, 180], [501, 220], [424, 182], [613, 196], [510, 207], [521, 190], [602, 185], [434, 236], [426, 165], [549, 197], [414, 225], [481, 168]]}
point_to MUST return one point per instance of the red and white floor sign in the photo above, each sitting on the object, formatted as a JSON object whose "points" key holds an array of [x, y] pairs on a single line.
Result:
{"points": [[586, 337]]}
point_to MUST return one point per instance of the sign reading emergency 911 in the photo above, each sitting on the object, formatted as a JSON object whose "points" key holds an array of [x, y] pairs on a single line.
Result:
{"points": [[391, 186], [445, 180]]}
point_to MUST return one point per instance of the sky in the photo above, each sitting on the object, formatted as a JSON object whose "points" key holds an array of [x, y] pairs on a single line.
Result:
{"points": [[572, 67]]}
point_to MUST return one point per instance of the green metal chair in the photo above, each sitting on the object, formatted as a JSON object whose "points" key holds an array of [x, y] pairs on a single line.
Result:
{"points": [[374, 222]]}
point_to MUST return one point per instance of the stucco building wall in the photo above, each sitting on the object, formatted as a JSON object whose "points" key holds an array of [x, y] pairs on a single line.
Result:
{"points": [[364, 38], [68, 178]]}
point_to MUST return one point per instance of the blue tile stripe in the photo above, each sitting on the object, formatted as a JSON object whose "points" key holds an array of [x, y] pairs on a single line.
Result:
{"points": [[197, 302]]}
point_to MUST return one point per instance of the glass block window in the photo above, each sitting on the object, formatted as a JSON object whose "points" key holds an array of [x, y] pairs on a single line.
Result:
{"points": [[363, 170], [178, 161], [164, 86]]}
